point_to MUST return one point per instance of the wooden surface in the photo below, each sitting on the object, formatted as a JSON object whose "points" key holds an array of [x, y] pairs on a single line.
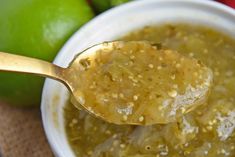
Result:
{"points": [[21, 133]]}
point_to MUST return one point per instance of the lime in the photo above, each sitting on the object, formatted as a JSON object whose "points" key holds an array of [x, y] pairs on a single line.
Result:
{"points": [[37, 29]]}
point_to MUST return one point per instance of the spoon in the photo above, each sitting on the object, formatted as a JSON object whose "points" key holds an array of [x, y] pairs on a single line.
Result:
{"points": [[126, 82]]}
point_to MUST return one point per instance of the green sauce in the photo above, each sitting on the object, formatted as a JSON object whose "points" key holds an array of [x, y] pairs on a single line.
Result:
{"points": [[207, 131]]}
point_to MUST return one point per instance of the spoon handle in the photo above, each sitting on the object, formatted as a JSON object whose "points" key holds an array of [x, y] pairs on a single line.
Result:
{"points": [[22, 64]]}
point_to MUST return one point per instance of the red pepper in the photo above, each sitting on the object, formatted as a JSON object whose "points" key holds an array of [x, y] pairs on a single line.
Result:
{"points": [[230, 3]]}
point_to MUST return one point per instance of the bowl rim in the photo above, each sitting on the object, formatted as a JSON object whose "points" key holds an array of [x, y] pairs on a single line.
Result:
{"points": [[113, 11], [107, 14]]}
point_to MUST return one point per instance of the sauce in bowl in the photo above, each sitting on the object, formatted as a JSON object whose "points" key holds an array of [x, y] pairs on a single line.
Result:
{"points": [[208, 131]]}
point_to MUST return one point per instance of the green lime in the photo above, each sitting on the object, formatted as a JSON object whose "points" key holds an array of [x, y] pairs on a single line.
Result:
{"points": [[37, 29]]}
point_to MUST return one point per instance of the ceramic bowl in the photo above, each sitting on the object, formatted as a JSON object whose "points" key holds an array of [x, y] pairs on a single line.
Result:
{"points": [[111, 25]]}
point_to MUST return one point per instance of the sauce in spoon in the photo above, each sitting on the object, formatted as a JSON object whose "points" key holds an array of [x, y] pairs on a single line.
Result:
{"points": [[126, 82], [137, 83]]}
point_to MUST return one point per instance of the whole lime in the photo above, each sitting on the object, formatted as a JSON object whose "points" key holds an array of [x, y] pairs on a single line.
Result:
{"points": [[37, 29]]}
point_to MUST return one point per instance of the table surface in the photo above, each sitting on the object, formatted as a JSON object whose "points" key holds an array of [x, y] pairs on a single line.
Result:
{"points": [[21, 133]]}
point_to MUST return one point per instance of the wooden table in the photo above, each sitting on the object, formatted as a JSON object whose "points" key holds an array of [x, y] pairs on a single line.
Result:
{"points": [[21, 133]]}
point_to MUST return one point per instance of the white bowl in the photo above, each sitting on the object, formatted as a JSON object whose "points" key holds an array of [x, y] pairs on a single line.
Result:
{"points": [[111, 25]]}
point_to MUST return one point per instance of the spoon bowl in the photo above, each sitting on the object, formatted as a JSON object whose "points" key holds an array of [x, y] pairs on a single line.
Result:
{"points": [[138, 83]]}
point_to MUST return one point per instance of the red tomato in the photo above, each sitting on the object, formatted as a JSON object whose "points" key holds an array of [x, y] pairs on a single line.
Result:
{"points": [[230, 3]]}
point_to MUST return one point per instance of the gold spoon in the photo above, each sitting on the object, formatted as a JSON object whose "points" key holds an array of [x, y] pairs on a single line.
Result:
{"points": [[164, 104]]}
